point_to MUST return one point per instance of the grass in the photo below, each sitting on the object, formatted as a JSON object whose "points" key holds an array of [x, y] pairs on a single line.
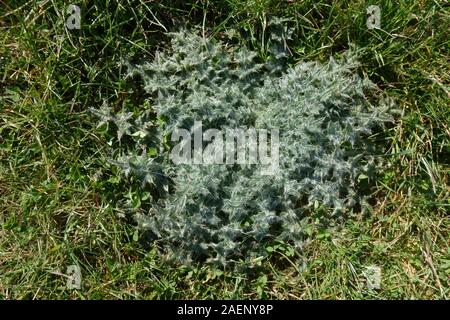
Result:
{"points": [[57, 206]]}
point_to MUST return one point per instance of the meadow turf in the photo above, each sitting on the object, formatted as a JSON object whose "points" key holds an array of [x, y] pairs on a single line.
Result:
{"points": [[57, 203]]}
